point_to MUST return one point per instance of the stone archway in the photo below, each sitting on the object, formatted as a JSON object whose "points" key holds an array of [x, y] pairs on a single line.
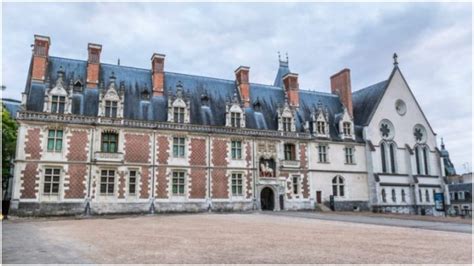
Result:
{"points": [[267, 199]]}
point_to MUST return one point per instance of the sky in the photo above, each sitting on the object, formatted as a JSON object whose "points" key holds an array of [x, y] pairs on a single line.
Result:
{"points": [[433, 42]]}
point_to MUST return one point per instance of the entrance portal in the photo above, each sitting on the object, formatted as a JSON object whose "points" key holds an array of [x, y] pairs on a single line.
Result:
{"points": [[267, 199]]}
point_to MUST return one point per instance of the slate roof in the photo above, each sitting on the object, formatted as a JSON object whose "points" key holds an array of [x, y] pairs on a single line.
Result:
{"points": [[11, 105], [207, 96], [460, 187]]}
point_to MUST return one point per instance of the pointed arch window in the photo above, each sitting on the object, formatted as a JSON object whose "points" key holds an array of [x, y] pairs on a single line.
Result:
{"points": [[338, 186], [388, 157], [403, 195], [384, 195], [394, 196], [422, 159]]}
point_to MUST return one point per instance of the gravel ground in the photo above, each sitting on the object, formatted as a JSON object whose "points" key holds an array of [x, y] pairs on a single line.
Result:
{"points": [[225, 238]]}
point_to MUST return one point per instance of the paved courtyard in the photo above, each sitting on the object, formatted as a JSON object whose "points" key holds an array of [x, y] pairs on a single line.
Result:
{"points": [[227, 238]]}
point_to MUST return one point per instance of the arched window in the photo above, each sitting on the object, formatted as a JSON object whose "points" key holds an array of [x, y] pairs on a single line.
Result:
{"points": [[422, 158], [387, 152], [394, 196], [384, 196], [403, 195], [338, 186]]}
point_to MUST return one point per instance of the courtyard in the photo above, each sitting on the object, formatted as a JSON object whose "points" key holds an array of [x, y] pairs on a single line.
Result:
{"points": [[261, 237]]}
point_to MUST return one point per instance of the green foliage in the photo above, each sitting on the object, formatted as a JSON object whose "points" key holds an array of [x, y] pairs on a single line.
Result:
{"points": [[9, 134]]}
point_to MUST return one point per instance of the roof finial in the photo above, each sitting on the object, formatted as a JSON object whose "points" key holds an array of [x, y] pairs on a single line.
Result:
{"points": [[395, 57], [279, 56], [287, 57], [118, 62], [442, 144]]}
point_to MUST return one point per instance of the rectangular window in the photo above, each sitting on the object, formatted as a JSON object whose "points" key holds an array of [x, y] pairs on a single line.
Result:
{"points": [[346, 128], [178, 147], [132, 182], [461, 195], [237, 186], [296, 184], [109, 142], [52, 179], [57, 104], [286, 124], [111, 109], [178, 114], [321, 128], [234, 119], [107, 182], [322, 152], [55, 140], [178, 183], [236, 150], [349, 155], [290, 154]]}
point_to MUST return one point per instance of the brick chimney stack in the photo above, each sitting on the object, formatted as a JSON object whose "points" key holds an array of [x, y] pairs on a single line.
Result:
{"points": [[40, 58], [158, 73], [93, 64], [341, 86], [242, 79], [292, 87]]}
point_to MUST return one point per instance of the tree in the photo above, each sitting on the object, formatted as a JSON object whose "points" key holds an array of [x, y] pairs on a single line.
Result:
{"points": [[9, 135]]}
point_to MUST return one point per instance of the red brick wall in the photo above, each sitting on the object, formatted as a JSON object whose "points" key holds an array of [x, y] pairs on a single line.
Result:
{"points": [[341, 85], [145, 183], [77, 177], [77, 173], [29, 181], [92, 75], [197, 161], [162, 157], [248, 160], [39, 68], [137, 148], [219, 159], [33, 148], [304, 169]]}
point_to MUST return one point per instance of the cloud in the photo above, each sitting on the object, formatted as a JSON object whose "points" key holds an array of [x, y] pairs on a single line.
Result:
{"points": [[433, 41]]}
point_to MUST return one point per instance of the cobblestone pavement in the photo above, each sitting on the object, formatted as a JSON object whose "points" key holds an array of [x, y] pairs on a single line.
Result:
{"points": [[225, 238], [401, 221]]}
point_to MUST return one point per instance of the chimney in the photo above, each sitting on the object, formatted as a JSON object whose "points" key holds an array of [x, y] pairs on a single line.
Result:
{"points": [[341, 86], [93, 64], [242, 79], [40, 57], [158, 74], [291, 86]]}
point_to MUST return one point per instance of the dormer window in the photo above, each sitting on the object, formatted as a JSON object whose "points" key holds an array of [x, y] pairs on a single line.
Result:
{"points": [[347, 128], [321, 127], [57, 104], [286, 124], [235, 116], [57, 99], [320, 119], [178, 106], [111, 109], [286, 118], [234, 119], [178, 114], [111, 103]]}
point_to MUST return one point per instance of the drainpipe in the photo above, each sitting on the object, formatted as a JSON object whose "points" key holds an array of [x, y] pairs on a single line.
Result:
{"points": [[152, 206], [254, 176], [88, 207]]}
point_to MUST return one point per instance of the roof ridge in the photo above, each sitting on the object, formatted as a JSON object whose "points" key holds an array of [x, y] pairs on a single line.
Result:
{"points": [[138, 68], [320, 92], [193, 75], [71, 59]]}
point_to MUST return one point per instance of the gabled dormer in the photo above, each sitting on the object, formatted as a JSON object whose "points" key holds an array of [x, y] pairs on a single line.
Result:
{"points": [[234, 114], [111, 100], [320, 120], [346, 125], [58, 98], [178, 106], [286, 117]]}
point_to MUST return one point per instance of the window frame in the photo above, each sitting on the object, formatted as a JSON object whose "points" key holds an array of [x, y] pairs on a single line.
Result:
{"points": [[110, 182], [323, 153], [179, 147], [237, 184], [236, 149], [235, 119], [58, 104], [349, 155], [105, 140], [295, 184], [180, 177], [289, 151], [179, 114], [111, 108], [346, 129], [135, 183], [54, 140], [286, 124], [338, 186], [52, 182]]}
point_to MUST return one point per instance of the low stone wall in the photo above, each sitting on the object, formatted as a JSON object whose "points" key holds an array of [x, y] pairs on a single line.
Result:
{"points": [[47, 209], [350, 205]]}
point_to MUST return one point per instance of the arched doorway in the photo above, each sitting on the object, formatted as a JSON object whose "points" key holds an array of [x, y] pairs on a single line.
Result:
{"points": [[267, 199]]}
